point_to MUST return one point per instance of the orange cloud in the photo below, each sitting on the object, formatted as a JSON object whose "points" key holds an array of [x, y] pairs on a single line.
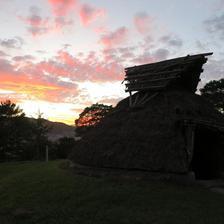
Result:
{"points": [[29, 81], [56, 79], [23, 85]]}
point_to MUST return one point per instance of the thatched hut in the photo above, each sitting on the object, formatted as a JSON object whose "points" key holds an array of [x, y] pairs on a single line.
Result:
{"points": [[163, 127]]}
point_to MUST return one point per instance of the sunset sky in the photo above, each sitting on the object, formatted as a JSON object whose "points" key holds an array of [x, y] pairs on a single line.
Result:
{"points": [[59, 56]]}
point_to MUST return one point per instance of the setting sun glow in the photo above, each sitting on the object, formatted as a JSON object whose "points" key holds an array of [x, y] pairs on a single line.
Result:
{"points": [[58, 57]]}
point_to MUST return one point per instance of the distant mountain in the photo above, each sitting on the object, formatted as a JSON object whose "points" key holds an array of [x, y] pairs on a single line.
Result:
{"points": [[58, 130]]}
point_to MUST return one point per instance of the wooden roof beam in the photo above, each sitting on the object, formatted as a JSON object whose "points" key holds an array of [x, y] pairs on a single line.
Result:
{"points": [[146, 88], [176, 71], [153, 80], [171, 60]]}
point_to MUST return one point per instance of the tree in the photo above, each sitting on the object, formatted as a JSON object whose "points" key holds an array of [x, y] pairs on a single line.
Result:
{"points": [[64, 147], [14, 131], [91, 116], [214, 92], [9, 110], [40, 133], [21, 138]]}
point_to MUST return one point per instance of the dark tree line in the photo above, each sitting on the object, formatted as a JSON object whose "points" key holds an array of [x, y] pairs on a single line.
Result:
{"points": [[213, 91], [22, 138], [19, 135]]}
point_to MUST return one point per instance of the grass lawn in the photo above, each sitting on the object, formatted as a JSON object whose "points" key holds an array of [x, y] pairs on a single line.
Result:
{"points": [[38, 192]]}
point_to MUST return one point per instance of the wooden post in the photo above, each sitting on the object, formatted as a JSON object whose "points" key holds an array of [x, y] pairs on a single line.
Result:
{"points": [[193, 127], [46, 153], [190, 135], [130, 99]]}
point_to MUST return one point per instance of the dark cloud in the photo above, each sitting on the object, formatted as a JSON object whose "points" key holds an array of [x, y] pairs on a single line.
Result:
{"points": [[23, 58], [41, 52], [151, 56], [34, 30], [161, 54], [66, 46], [127, 52], [6, 66], [215, 25], [61, 22], [144, 58], [171, 40], [16, 42]]}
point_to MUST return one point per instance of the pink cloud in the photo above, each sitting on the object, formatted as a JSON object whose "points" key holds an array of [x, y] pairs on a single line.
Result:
{"points": [[36, 24], [42, 27], [61, 22], [56, 79], [62, 7], [3, 54], [91, 68], [143, 22], [101, 29], [66, 58], [89, 14], [115, 38]]}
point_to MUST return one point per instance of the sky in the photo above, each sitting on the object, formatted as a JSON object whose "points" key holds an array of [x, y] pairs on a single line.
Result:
{"points": [[60, 56]]}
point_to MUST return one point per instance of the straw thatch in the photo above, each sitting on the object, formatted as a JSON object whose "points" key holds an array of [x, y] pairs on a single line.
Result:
{"points": [[161, 127], [152, 137]]}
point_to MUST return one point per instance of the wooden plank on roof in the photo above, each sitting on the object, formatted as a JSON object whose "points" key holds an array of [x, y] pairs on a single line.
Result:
{"points": [[146, 88], [164, 67], [176, 71], [149, 79], [188, 57]]}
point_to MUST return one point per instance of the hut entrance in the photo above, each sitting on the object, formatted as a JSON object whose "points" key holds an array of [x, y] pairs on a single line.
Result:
{"points": [[205, 161]]}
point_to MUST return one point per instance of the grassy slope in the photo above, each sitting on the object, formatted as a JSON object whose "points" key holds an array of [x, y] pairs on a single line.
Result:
{"points": [[47, 194]]}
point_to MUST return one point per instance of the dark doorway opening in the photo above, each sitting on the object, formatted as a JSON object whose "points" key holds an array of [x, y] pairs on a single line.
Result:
{"points": [[206, 155]]}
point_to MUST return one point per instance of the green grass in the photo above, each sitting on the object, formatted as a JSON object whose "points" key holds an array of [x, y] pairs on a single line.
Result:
{"points": [[43, 193]]}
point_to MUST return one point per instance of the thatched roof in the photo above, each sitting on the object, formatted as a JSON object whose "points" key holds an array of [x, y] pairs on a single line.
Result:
{"points": [[147, 138], [152, 129], [179, 72]]}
